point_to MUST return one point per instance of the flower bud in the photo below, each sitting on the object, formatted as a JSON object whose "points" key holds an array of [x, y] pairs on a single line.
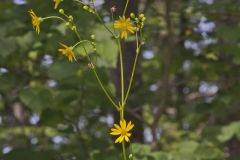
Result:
{"points": [[141, 16], [61, 11], [85, 7], [70, 18], [93, 37], [74, 28], [132, 15], [67, 24]]}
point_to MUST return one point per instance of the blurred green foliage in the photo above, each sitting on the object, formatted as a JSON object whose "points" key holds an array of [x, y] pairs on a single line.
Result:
{"points": [[54, 110]]}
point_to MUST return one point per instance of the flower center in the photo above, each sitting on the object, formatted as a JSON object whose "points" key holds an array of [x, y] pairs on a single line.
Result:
{"points": [[123, 132], [124, 25]]}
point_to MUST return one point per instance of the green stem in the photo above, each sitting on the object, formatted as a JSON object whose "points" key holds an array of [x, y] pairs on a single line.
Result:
{"points": [[125, 9], [124, 150], [133, 70], [96, 75], [54, 17], [123, 142], [104, 90], [131, 79], [82, 41], [114, 30], [102, 22], [122, 72]]}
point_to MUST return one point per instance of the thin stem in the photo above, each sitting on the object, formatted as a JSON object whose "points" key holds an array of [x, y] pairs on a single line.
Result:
{"points": [[99, 18], [82, 41], [102, 22], [96, 75], [123, 142], [114, 30], [125, 9], [124, 150], [133, 70], [54, 17], [122, 72], [104, 90]]}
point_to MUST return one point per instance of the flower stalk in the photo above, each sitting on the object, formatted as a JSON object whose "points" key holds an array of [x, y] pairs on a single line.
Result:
{"points": [[126, 27]]}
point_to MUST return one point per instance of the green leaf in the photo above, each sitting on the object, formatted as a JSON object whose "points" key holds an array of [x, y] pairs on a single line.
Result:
{"points": [[229, 131], [8, 46], [62, 70], [37, 99]]}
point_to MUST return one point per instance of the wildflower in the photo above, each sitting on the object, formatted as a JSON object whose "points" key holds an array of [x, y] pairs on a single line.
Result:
{"points": [[68, 52], [35, 21], [122, 130], [125, 26], [57, 2]]}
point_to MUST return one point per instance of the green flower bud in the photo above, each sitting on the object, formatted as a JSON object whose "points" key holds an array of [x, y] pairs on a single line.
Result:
{"points": [[61, 11], [136, 20], [85, 7], [93, 43], [93, 37], [67, 24], [132, 15], [91, 10], [74, 28], [70, 18], [92, 2], [141, 16]]}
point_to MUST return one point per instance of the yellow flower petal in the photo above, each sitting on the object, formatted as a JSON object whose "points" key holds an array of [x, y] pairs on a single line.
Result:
{"points": [[117, 126], [68, 52], [129, 126], [115, 132], [56, 3], [118, 139], [125, 26], [35, 20], [123, 124], [122, 130], [126, 138]]}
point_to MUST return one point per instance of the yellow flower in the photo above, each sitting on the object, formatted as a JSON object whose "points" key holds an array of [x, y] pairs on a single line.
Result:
{"points": [[125, 26], [68, 52], [35, 21], [57, 2], [122, 130]]}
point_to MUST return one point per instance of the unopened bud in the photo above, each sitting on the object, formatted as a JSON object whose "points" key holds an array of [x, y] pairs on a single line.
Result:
{"points": [[74, 28], [70, 18], [67, 24], [132, 15], [61, 11], [85, 7], [93, 37], [141, 16]]}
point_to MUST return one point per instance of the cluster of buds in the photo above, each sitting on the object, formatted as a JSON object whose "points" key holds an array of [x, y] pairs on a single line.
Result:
{"points": [[89, 9], [138, 20], [70, 22], [93, 38]]}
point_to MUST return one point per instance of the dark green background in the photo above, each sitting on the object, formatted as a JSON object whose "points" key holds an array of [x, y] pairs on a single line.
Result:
{"points": [[51, 109]]}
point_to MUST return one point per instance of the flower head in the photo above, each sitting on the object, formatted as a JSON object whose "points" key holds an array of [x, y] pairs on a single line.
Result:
{"points": [[35, 21], [68, 52], [56, 3], [122, 130], [125, 26]]}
